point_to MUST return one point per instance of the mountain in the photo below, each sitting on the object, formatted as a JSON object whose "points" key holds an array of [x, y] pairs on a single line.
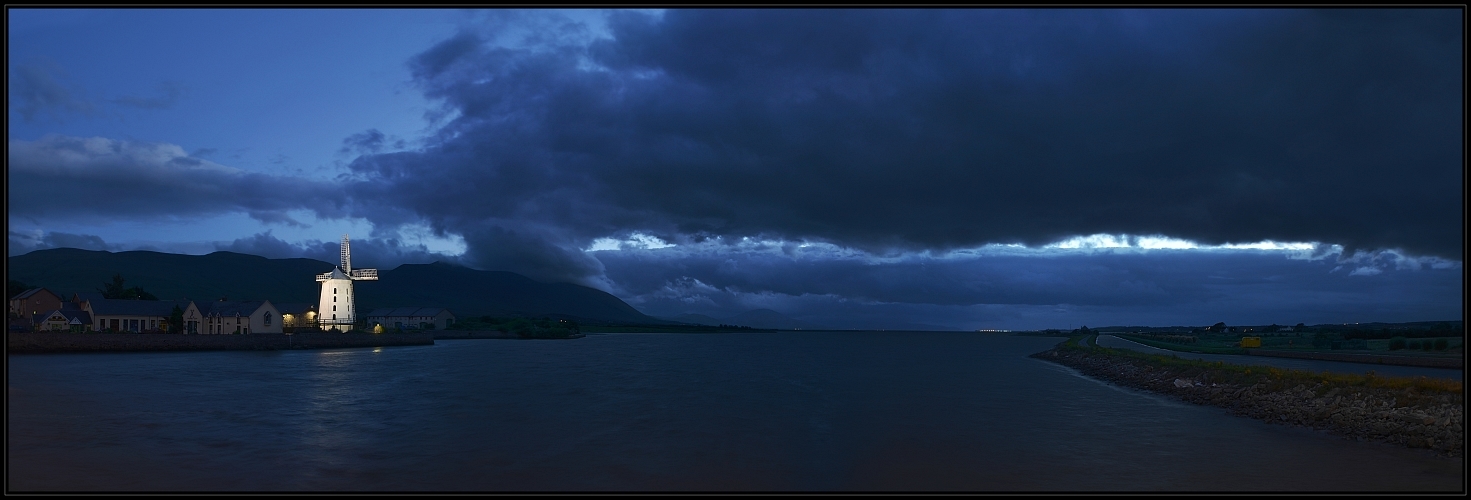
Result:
{"points": [[760, 318], [696, 319], [467, 292]]}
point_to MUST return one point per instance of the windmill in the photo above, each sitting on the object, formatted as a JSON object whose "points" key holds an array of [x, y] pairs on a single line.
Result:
{"points": [[337, 309]]}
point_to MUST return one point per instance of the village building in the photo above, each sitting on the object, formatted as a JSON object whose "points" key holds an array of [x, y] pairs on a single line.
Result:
{"points": [[25, 306], [69, 318], [240, 317], [411, 318], [297, 315], [138, 316]]}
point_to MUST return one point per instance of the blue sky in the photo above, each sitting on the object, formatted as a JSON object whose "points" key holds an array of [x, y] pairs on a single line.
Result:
{"points": [[980, 168]]}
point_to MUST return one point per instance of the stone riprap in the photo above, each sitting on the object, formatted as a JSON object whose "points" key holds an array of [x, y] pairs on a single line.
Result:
{"points": [[1408, 417], [30, 343]]}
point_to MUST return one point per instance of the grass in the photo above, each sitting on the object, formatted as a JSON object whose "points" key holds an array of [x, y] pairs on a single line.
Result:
{"points": [[1225, 344], [1272, 377], [1181, 347]]}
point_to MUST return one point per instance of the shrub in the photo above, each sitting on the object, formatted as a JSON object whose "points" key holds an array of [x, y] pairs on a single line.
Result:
{"points": [[1413, 344], [1396, 343], [1441, 344], [1426, 345]]}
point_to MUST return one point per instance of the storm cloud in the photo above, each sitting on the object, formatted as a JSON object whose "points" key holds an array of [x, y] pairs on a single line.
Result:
{"points": [[931, 130], [863, 168], [366, 252], [1031, 287]]}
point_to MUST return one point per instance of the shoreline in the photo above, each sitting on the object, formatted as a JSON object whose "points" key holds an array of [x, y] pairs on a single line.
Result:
{"points": [[1409, 417], [57, 342]]}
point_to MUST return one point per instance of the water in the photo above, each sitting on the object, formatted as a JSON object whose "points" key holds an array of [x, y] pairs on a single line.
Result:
{"points": [[880, 411]]}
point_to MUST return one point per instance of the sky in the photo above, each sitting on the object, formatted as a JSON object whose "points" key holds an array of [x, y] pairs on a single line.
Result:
{"points": [[849, 168]]}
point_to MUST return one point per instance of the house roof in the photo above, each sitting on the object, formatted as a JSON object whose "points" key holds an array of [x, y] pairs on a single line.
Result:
{"points": [[231, 308], [124, 307], [72, 316], [28, 293], [407, 311], [295, 308]]}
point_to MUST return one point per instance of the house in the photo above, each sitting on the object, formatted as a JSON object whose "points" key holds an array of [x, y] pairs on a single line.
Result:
{"points": [[121, 315], [411, 318], [242, 317], [69, 318], [297, 315], [25, 306]]}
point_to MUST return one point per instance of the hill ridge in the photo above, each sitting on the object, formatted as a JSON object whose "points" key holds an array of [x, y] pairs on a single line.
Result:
{"points": [[224, 274]]}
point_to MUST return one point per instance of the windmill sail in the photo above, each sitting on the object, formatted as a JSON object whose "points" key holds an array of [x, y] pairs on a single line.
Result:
{"points": [[346, 256]]}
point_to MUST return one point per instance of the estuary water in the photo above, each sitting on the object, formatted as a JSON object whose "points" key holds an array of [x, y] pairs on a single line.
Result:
{"points": [[801, 411]]}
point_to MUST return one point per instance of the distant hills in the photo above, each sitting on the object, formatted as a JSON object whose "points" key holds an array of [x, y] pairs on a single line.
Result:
{"points": [[758, 318], [466, 292]]}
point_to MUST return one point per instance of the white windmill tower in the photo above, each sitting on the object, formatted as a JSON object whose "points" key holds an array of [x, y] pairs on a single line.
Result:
{"points": [[337, 308]]}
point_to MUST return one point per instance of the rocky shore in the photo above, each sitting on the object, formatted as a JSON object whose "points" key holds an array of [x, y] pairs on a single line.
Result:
{"points": [[1408, 416]]}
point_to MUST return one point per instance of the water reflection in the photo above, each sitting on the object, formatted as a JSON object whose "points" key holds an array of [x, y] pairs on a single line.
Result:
{"points": [[815, 412]]}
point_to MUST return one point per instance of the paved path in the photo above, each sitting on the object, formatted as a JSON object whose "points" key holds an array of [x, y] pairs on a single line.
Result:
{"points": [[1295, 364]]}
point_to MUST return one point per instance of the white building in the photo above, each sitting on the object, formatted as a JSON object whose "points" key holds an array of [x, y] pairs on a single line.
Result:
{"points": [[118, 315], [221, 317], [336, 308]]}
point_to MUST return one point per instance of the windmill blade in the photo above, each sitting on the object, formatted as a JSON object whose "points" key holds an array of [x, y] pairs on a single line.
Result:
{"points": [[346, 255], [364, 274]]}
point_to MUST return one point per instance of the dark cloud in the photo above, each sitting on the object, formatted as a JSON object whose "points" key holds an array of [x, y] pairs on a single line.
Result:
{"points": [[1011, 288], [370, 141], [36, 90], [129, 179], [366, 252], [889, 130], [18, 243]]}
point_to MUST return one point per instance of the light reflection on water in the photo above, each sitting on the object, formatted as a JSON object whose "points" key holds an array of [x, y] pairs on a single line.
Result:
{"points": [[745, 412]]}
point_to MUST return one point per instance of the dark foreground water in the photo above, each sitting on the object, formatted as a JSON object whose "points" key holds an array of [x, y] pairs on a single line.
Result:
{"points": [[880, 411]]}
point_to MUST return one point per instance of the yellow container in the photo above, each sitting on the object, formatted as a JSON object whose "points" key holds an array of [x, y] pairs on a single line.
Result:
{"points": [[1251, 341]]}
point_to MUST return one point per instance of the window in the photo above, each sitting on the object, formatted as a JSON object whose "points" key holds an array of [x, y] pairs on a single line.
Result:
{"points": [[334, 308], [334, 299], [268, 319], [334, 290]]}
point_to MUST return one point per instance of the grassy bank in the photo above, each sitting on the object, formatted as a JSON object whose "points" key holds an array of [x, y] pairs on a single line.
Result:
{"points": [[1418, 412], [1271, 377], [1229, 344]]}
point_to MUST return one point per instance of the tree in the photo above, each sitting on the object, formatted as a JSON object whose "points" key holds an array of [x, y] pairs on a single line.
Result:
{"points": [[13, 288], [116, 290], [176, 320]]}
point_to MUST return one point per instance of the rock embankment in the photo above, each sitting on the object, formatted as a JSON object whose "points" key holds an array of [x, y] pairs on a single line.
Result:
{"points": [[1409, 417]]}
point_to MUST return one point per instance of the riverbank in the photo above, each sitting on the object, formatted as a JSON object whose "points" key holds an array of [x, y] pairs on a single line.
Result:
{"points": [[38, 343], [1417, 413], [1368, 357]]}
